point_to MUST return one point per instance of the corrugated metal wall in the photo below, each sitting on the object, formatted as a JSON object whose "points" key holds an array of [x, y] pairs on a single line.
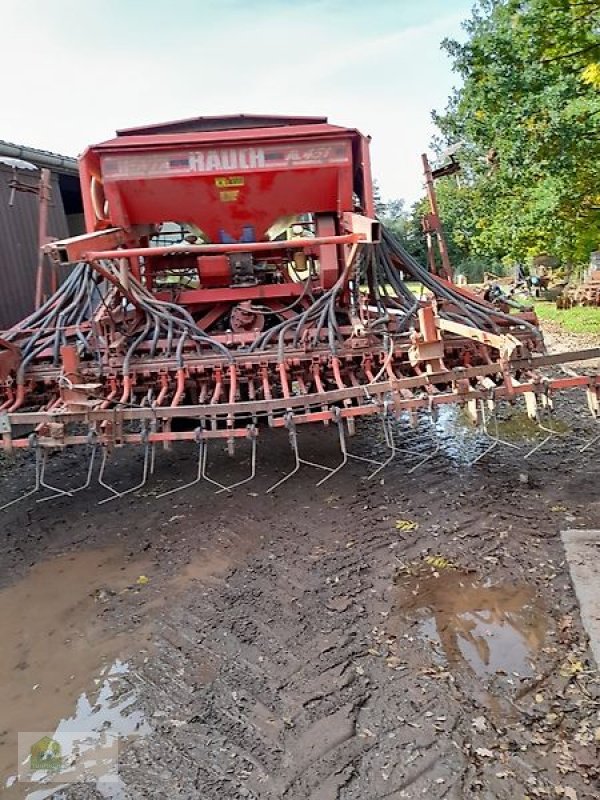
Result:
{"points": [[19, 243]]}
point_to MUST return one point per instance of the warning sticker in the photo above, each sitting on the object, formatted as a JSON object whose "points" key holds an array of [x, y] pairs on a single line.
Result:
{"points": [[229, 196], [230, 180]]}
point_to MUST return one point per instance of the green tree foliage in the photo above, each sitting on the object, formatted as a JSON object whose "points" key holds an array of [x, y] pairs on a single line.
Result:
{"points": [[528, 117], [404, 224]]}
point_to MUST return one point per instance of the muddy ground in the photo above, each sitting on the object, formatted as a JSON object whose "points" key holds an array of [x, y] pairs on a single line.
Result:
{"points": [[413, 635]]}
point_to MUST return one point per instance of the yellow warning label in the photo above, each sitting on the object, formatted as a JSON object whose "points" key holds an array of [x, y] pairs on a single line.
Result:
{"points": [[229, 196], [231, 180]]}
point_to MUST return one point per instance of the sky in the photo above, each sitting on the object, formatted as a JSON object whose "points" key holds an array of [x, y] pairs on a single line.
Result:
{"points": [[81, 69]]}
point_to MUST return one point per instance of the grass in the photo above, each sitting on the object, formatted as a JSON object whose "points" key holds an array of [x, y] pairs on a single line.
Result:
{"points": [[580, 319]]}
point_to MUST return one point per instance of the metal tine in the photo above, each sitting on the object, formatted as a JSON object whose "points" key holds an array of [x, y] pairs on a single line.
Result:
{"points": [[35, 489], [197, 479], [57, 492], [495, 437], [426, 459], [116, 494], [389, 440], [148, 401], [252, 435], [298, 461], [551, 434], [206, 477], [390, 443], [61, 492], [589, 444], [342, 439]]}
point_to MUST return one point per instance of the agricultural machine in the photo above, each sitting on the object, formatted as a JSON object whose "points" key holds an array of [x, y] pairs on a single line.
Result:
{"points": [[233, 274]]}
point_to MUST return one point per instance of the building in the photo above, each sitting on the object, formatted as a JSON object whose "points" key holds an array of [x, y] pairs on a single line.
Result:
{"points": [[20, 173]]}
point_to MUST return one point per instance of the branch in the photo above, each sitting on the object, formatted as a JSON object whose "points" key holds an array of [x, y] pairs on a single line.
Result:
{"points": [[574, 53]]}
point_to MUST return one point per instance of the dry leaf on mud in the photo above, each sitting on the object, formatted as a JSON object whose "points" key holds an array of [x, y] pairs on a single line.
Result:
{"points": [[479, 724], [572, 666], [142, 580], [439, 562], [406, 525], [558, 508]]}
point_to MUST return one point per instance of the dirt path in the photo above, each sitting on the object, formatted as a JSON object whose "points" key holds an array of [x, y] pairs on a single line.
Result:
{"points": [[415, 635]]}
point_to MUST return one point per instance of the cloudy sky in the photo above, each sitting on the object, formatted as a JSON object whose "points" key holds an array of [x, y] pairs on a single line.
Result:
{"points": [[80, 69]]}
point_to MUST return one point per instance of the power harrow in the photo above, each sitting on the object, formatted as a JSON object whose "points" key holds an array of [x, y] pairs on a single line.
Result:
{"points": [[233, 276]]}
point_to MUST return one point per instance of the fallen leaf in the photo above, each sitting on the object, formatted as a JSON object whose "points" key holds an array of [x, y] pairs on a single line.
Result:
{"points": [[572, 666], [558, 508], [479, 724], [142, 580], [406, 525], [439, 562], [483, 752]]}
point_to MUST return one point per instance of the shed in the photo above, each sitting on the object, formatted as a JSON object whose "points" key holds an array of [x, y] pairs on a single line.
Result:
{"points": [[19, 220]]}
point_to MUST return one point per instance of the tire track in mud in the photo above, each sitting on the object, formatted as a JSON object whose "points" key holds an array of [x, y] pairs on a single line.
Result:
{"points": [[285, 711], [283, 664]]}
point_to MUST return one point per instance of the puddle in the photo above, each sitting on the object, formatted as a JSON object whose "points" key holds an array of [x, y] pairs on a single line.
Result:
{"points": [[474, 626], [55, 647], [86, 743], [453, 434], [60, 671]]}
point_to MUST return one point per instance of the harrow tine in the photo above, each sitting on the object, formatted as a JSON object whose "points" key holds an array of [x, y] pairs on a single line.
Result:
{"points": [[426, 458], [70, 492], [589, 444], [35, 489], [206, 477], [115, 493], [390, 443], [57, 492], [252, 435], [197, 479], [298, 461], [345, 455], [152, 448], [496, 441], [551, 435]]}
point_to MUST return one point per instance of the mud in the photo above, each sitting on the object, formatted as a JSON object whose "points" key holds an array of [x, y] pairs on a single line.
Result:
{"points": [[415, 635], [488, 629]]}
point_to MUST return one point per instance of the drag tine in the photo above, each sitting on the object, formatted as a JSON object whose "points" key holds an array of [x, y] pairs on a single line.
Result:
{"points": [[197, 479], [343, 448], [294, 446], [591, 442], [551, 434], [153, 450], [101, 480], [426, 459], [78, 488], [390, 443], [347, 455], [495, 437], [252, 433], [206, 477], [57, 492], [135, 488], [35, 489]]}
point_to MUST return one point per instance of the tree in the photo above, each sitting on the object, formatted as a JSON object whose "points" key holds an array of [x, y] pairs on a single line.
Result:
{"points": [[528, 117]]}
